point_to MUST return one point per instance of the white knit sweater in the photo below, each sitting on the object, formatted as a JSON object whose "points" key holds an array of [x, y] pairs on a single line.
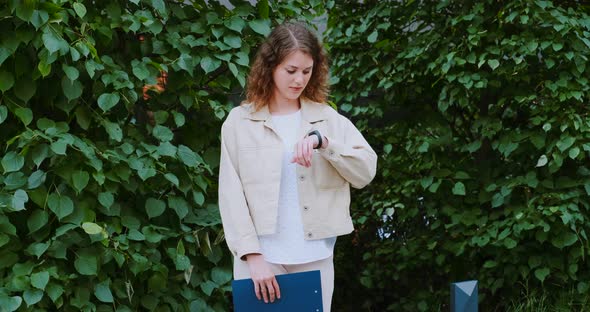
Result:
{"points": [[287, 245]]}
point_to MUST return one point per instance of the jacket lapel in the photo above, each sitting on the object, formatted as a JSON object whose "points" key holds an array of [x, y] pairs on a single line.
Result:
{"points": [[311, 113]]}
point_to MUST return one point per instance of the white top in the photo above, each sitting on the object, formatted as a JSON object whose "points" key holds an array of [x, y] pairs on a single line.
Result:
{"points": [[287, 245]]}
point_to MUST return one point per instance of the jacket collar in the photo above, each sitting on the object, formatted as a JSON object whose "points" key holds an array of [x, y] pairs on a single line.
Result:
{"points": [[310, 112]]}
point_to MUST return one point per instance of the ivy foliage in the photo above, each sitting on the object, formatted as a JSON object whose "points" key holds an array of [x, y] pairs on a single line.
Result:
{"points": [[479, 110], [110, 114]]}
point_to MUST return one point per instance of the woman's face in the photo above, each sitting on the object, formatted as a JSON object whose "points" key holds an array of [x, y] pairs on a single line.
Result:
{"points": [[292, 75]]}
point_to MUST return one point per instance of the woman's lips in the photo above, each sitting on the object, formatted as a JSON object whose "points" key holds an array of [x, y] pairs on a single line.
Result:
{"points": [[295, 89]]}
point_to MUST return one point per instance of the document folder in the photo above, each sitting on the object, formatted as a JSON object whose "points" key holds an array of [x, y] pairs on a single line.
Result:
{"points": [[300, 292]]}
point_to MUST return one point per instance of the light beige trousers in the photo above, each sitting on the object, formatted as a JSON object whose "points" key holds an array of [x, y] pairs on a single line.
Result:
{"points": [[326, 267]]}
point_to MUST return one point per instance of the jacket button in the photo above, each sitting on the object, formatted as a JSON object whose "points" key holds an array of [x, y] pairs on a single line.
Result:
{"points": [[306, 208], [331, 153], [309, 234], [301, 177]]}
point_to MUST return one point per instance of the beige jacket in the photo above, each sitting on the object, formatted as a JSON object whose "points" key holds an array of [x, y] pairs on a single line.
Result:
{"points": [[250, 175]]}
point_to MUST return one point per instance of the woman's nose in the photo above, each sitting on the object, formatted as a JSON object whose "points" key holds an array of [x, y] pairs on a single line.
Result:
{"points": [[299, 78]]}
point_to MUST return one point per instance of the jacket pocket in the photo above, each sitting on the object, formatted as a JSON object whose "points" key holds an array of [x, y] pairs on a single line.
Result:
{"points": [[259, 164], [325, 175]]}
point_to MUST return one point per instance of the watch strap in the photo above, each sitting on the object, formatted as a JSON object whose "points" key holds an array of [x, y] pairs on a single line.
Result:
{"points": [[316, 133]]}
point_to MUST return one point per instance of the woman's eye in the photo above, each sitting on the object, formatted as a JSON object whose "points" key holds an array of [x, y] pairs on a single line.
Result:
{"points": [[291, 72], [306, 72]]}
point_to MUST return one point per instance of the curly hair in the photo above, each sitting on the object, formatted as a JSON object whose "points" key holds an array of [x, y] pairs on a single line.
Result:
{"points": [[282, 41]]}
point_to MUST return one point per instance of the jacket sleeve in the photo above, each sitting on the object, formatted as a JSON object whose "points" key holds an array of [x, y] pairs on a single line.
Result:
{"points": [[352, 156], [240, 234]]}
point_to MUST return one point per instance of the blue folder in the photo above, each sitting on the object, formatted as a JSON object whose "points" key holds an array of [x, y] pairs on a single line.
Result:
{"points": [[300, 292]]}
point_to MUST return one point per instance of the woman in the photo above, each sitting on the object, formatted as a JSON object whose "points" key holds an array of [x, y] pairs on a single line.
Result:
{"points": [[287, 163]]}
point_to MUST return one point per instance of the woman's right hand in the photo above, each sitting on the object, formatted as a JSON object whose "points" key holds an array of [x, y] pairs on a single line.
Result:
{"points": [[265, 283]]}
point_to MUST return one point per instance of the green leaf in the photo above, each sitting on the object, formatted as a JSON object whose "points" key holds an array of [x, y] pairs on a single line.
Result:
{"points": [[209, 64], [10, 304], [490, 264], [6, 81], [459, 189], [542, 273], [542, 161], [373, 36], [71, 72], [532, 46], [198, 305], [80, 179], [54, 291], [80, 9], [32, 296], [44, 69], [221, 276], [36, 179], [86, 265], [106, 199], [574, 152], [39, 153], [179, 205], [51, 41], [25, 115], [72, 89], [92, 228], [103, 292], [260, 26], [565, 143], [140, 69], [160, 6], [12, 162], [172, 178], [233, 41], [163, 133], [113, 130], [187, 156], [59, 147], [263, 8], [198, 197], [25, 89], [62, 205], [19, 199], [40, 280], [15, 180], [497, 200], [493, 64], [37, 220], [235, 23], [167, 149], [3, 113], [154, 207], [179, 119]]}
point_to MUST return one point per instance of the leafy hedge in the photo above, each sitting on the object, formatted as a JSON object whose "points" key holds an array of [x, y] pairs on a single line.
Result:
{"points": [[110, 114], [479, 110]]}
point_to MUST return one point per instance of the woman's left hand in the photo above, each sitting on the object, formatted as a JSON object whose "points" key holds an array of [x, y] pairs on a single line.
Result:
{"points": [[304, 150]]}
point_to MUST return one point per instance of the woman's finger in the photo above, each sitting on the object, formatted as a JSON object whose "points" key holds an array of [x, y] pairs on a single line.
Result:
{"points": [[300, 159], [306, 152], [275, 283], [271, 290], [310, 148], [257, 290], [264, 291]]}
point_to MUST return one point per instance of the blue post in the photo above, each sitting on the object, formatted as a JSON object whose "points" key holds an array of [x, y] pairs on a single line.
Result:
{"points": [[464, 296]]}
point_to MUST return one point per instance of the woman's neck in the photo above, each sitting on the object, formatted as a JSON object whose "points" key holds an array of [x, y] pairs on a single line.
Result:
{"points": [[283, 107]]}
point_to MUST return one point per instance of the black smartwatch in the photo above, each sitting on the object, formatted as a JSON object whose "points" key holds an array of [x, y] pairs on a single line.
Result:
{"points": [[316, 133]]}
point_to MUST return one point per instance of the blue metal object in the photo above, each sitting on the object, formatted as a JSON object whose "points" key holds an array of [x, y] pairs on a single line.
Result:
{"points": [[464, 296], [300, 292]]}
